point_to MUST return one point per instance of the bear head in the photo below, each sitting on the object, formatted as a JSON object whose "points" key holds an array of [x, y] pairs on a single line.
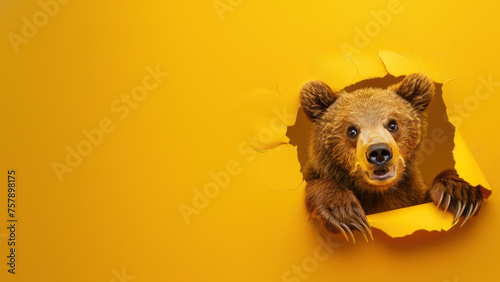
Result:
{"points": [[367, 138]]}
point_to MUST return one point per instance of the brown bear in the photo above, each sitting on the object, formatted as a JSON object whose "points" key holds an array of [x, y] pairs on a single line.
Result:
{"points": [[362, 156]]}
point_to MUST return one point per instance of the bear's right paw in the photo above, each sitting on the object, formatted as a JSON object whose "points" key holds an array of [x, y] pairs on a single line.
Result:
{"points": [[344, 215]]}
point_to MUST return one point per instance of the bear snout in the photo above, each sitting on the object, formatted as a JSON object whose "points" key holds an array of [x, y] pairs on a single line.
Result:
{"points": [[379, 154]]}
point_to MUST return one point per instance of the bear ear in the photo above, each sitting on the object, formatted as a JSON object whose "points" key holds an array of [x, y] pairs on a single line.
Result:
{"points": [[417, 88], [315, 98]]}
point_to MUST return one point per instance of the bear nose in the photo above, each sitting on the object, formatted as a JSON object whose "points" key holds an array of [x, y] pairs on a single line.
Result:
{"points": [[379, 153]]}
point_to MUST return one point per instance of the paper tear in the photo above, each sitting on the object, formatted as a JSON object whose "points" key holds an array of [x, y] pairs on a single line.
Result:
{"points": [[278, 190], [451, 79], [264, 117], [352, 61], [398, 64], [467, 167], [277, 177], [406, 221], [263, 106]]}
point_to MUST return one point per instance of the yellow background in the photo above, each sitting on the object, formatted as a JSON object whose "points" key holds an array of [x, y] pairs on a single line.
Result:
{"points": [[119, 209]]}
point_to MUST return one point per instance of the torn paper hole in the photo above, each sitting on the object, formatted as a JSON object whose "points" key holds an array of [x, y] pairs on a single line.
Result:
{"points": [[444, 147]]}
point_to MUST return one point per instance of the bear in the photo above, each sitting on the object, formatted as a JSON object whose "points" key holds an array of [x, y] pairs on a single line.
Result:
{"points": [[363, 150]]}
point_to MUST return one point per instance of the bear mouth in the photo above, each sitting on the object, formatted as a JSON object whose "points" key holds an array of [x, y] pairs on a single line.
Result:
{"points": [[382, 174]]}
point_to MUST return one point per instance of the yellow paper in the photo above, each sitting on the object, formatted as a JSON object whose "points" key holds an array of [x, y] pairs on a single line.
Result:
{"points": [[180, 113]]}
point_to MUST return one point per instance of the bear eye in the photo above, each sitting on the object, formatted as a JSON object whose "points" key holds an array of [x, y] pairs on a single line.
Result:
{"points": [[352, 132], [392, 126]]}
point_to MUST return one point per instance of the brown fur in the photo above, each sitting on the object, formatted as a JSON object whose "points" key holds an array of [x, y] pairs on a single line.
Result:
{"points": [[340, 186]]}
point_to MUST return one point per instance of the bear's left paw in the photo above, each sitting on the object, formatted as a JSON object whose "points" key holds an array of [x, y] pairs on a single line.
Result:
{"points": [[449, 191]]}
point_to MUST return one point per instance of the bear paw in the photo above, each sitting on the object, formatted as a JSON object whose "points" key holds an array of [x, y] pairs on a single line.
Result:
{"points": [[450, 192], [344, 215]]}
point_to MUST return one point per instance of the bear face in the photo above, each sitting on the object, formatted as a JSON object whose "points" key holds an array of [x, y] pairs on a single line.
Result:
{"points": [[367, 138]]}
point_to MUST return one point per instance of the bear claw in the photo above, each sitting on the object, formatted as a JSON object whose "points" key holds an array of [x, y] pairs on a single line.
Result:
{"points": [[472, 211], [363, 230], [345, 225], [451, 192], [337, 209]]}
